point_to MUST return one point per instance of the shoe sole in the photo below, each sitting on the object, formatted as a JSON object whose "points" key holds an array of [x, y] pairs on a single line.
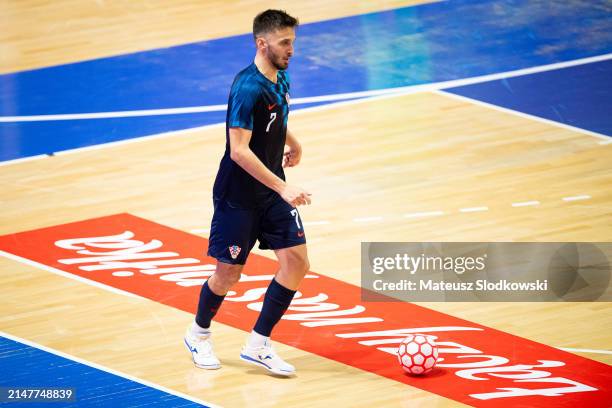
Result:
{"points": [[205, 367], [263, 365]]}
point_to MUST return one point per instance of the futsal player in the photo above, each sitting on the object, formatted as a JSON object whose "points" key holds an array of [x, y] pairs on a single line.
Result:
{"points": [[252, 201]]}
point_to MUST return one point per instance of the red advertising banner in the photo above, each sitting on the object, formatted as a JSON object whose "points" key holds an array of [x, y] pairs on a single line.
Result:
{"points": [[479, 366]]}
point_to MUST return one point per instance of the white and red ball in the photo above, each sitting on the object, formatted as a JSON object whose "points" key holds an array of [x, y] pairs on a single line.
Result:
{"points": [[417, 354]]}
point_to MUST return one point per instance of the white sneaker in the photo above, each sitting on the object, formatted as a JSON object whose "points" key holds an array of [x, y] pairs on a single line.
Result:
{"points": [[267, 358], [201, 351]]}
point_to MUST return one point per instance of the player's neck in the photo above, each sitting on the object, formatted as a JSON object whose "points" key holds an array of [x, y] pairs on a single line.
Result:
{"points": [[268, 70]]}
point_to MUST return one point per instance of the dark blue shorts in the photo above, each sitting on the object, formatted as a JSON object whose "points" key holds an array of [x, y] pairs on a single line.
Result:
{"points": [[234, 230]]}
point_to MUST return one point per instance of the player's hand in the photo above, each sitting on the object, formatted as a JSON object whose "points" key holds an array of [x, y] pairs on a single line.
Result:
{"points": [[292, 156], [295, 195]]}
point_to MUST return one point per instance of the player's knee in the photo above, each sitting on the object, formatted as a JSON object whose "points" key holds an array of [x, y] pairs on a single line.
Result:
{"points": [[228, 276], [232, 279], [224, 283], [300, 265], [306, 265]]}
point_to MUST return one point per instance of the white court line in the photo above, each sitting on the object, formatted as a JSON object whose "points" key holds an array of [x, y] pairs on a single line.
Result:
{"points": [[106, 369], [577, 198], [585, 350], [23, 159], [367, 219], [423, 214], [312, 223], [522, 115], [526, 203], [115, 114], [474, 209], [116, 143], [69, 275], [306, 224], [365, 96], [323, 98], [141, 138], [177, 132]]}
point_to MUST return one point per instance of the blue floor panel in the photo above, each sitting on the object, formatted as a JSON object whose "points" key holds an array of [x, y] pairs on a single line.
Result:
{"points": [[578, 96], [25, 366], [401, 47], [46, 137]]}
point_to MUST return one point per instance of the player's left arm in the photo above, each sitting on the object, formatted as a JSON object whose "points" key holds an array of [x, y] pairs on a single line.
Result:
{"points": [[293, 152]]}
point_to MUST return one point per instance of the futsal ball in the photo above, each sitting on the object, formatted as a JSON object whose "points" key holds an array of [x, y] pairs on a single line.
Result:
{"points": [[417, 354]]}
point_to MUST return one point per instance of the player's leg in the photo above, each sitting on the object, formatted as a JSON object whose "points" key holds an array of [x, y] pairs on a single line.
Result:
{"points": [[293, 266], [212, 294], [283, 232], [231, 239]]}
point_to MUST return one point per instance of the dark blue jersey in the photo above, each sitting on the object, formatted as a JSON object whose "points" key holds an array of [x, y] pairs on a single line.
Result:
{"points": [[262, 106]]}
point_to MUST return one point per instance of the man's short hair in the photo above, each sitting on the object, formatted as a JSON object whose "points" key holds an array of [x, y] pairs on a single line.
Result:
{"points": [[272, 20]]}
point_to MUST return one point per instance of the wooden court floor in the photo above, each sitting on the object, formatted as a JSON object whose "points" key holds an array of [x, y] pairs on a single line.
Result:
{"points": [[380, 159], [165, 180]]}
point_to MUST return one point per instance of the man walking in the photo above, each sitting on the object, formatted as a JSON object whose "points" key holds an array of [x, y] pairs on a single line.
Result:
{"points": [[252, 201]]}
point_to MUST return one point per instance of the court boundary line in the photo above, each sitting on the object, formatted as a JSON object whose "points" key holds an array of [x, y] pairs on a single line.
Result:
{"points": [[314, 99], [579, 350], [360, 97], [105, 369], [77, 278], [605, 139], [425, 214], [113, 143]]}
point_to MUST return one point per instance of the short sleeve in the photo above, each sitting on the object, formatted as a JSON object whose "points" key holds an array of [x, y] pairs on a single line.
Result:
{"points": [[242, 101]]}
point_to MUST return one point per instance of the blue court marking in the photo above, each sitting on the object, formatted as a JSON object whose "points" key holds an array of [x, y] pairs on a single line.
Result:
{"points": [[407, 46], [578, 96], [33, 138], [26, 366]]}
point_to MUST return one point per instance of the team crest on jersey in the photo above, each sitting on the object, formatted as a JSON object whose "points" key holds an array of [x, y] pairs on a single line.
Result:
{"points": [[234, 251], [287, 98]]}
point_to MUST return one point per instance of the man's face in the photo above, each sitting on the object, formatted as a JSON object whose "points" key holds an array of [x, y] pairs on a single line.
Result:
{"points": [[280, 46]]}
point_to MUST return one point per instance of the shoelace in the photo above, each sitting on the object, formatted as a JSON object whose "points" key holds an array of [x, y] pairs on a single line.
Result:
{"points": [[204, 344], [268, 353]]}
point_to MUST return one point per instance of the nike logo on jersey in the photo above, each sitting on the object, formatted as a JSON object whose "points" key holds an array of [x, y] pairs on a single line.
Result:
{"points": [[270, 107], [300, 234]]}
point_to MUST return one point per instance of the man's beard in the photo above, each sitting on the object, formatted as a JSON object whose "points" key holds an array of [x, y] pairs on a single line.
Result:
{"points": [[277, 61]]}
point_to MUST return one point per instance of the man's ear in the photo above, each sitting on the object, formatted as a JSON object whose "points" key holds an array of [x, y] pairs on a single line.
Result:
{"points": [[260, 43]]}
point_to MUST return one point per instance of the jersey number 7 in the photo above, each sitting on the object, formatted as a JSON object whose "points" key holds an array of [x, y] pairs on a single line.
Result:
{"points": [[272, 119]]}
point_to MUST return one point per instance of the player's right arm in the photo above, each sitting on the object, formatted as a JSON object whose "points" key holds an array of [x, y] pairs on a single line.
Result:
{"points": [[241, 153]]}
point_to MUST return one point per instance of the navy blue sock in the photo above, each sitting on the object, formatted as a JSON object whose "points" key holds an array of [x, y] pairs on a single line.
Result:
{"points": [[208, 306], [275, 304]]}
